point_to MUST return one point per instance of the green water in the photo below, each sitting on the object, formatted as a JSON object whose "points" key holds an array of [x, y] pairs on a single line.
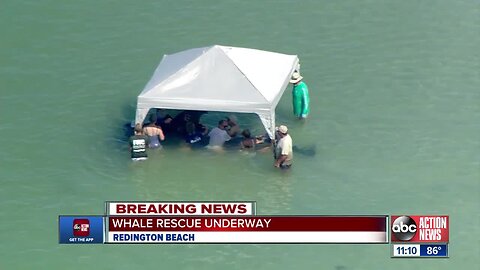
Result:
{"points": [[395, 116]]}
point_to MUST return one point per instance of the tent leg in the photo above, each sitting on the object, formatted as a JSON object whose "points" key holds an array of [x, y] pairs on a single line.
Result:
{"points": [[273, 149]]}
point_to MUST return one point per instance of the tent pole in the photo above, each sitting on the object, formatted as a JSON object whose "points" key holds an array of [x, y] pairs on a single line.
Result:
{"points": [[274, 145], [272, 129]]}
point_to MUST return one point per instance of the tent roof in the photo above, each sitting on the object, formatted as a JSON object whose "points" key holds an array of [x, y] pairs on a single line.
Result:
{"points": [[218, 78]]}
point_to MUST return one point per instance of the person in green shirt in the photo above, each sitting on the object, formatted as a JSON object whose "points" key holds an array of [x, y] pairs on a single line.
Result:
{"points": [[301, 99], [138, 144]]}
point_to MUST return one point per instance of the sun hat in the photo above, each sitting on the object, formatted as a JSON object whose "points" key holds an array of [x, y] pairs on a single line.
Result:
{"points": [[232, 118], [296, 77], [282, 129]]}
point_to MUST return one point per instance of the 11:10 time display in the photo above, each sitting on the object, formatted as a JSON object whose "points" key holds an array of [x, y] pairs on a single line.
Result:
{"points": [[407, 250]]}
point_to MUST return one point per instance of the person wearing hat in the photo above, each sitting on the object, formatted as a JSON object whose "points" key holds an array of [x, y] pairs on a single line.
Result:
{"points": [[301, 99], [284, 149]]}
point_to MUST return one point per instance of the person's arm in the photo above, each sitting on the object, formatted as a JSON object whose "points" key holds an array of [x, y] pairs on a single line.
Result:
{"points": [[280, 160], [227, 136], [232, 132], [160, 134], [205, 130], [167, 120]]}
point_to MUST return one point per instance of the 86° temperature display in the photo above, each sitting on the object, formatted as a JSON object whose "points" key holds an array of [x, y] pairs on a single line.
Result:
{"points": [[420, 250]]}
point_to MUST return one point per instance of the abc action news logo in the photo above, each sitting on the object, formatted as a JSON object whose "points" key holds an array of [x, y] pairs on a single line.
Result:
{"points": [[425, 229], [81, 227]]}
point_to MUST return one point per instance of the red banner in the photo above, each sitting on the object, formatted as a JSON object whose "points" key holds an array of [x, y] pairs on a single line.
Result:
{"points": [[257, 223]]}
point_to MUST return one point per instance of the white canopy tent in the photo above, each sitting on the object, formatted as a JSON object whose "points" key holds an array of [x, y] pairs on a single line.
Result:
{"points": [[219, 78]]}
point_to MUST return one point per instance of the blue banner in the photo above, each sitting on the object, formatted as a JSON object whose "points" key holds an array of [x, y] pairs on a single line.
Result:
{"points": [[81, 229], [434, 250]]}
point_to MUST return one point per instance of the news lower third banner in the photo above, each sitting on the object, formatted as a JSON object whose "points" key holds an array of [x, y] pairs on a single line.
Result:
{"points": [[215, 222], [258, 229], [233, 222]]}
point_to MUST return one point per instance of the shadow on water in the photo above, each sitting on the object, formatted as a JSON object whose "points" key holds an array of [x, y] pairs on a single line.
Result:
{"points": [[127, 132], [309, 151], [123, 129]]}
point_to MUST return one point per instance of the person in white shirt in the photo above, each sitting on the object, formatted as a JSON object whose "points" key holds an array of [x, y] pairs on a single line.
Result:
{"points": [[284, 149], [218, 135]]}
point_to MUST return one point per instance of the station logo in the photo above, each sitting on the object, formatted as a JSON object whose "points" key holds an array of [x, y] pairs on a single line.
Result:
{"points": [[404, 228], [81, 227], [419, 228]]}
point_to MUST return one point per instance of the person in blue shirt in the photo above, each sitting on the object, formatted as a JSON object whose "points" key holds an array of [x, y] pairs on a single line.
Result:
{"points": [[195, 133]]}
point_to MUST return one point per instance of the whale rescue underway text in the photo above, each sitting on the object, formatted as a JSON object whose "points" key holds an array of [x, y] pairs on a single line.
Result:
{"points": [[154, 224]]}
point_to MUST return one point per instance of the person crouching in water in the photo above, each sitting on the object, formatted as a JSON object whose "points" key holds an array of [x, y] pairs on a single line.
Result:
{"points": [[154, 133], [138, 144], [284, 149], [195, 133], [249, 142]]}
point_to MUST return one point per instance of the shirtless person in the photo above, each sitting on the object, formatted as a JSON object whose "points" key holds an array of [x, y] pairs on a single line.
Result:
{"points": [[233, 128], [154, 133]]}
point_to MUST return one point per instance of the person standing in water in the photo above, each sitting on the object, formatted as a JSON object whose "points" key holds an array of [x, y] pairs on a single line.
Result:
{"points": [[233, 128], [284, 149], [154, 133], [301, 99], [218, 135], [138, 144]]}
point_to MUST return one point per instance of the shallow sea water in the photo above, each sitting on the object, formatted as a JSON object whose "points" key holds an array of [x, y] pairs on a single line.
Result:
{"points": [[395, 115]]}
